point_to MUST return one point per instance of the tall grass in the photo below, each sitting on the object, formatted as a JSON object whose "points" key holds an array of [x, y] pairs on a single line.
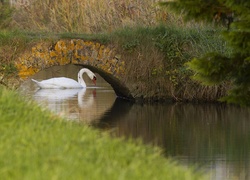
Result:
{"points": [[93, 16], [37, 145], [87, 16]]}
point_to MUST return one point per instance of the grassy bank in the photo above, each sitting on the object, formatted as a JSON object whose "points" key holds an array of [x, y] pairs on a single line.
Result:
{"points": [[38, 145]]}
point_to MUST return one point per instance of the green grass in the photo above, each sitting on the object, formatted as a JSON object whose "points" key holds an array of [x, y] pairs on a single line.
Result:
{"points": [[38, 145]]}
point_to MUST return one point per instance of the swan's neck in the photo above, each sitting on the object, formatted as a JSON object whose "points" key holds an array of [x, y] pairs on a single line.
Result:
{"points": [[80, 79]]}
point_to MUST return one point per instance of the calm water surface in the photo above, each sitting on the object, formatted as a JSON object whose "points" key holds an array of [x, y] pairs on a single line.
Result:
{"points": [[213, 137]]}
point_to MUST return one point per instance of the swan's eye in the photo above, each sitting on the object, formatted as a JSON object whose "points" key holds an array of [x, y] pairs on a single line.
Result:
{"points": [[94, 78]]}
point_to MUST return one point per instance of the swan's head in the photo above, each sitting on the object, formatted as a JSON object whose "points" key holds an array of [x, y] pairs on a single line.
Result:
{"points": [[91, 75], [94, 80]]}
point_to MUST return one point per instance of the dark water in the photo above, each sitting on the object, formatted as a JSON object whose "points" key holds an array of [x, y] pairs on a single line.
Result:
{"points": [[215, 138]]}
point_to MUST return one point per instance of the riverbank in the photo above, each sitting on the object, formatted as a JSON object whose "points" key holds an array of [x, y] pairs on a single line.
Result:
{"points": [[38, 145]]}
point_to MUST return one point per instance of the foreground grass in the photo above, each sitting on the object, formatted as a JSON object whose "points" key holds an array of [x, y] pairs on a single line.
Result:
{"points": [[38, 145]]}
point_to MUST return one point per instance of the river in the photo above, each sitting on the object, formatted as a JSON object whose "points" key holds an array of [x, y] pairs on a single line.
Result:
{"points": [[213, 137]]}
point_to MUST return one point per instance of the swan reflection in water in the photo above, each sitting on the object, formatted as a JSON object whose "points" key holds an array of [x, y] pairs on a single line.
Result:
{"points": [[76, 104], [56, 95]]}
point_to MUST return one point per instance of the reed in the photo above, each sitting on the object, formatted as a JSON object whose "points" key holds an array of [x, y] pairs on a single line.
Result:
{"points": [[87, 16], [93, 16]]}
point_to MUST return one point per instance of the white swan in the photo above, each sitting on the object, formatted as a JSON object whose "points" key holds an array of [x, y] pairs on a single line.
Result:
{"points": [[62, 82]]}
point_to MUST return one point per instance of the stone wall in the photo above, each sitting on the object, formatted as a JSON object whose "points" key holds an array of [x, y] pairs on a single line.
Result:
{"points": [[76, 51]]}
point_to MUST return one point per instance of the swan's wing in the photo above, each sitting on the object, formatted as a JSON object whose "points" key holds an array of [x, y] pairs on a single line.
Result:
{"points": [[60, 82], [45, 84]]}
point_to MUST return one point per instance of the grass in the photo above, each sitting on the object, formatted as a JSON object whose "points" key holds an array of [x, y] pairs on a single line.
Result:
{"points": [[38, 145]]}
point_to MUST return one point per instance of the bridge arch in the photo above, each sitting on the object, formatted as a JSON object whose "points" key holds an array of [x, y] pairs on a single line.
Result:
{"points": [[99, 58]]}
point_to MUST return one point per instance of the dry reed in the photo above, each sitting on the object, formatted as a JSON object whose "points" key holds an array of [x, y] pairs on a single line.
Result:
{"points": [[84, 16]]}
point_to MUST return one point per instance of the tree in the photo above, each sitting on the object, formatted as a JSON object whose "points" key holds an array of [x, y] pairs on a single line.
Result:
{"points": [[214, 68]]}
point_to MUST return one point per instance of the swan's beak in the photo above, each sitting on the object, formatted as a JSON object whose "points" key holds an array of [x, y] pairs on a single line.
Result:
{"points": [[94, 80]]}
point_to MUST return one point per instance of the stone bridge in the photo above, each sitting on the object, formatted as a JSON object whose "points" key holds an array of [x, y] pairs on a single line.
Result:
{"points": [[99, 58]]}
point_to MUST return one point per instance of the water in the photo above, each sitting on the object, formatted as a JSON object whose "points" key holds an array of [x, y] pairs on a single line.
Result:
{"points": [[215, 138]]}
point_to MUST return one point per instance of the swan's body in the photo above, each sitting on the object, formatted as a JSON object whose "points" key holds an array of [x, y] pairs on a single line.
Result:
{"points": [[62, 82]]}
